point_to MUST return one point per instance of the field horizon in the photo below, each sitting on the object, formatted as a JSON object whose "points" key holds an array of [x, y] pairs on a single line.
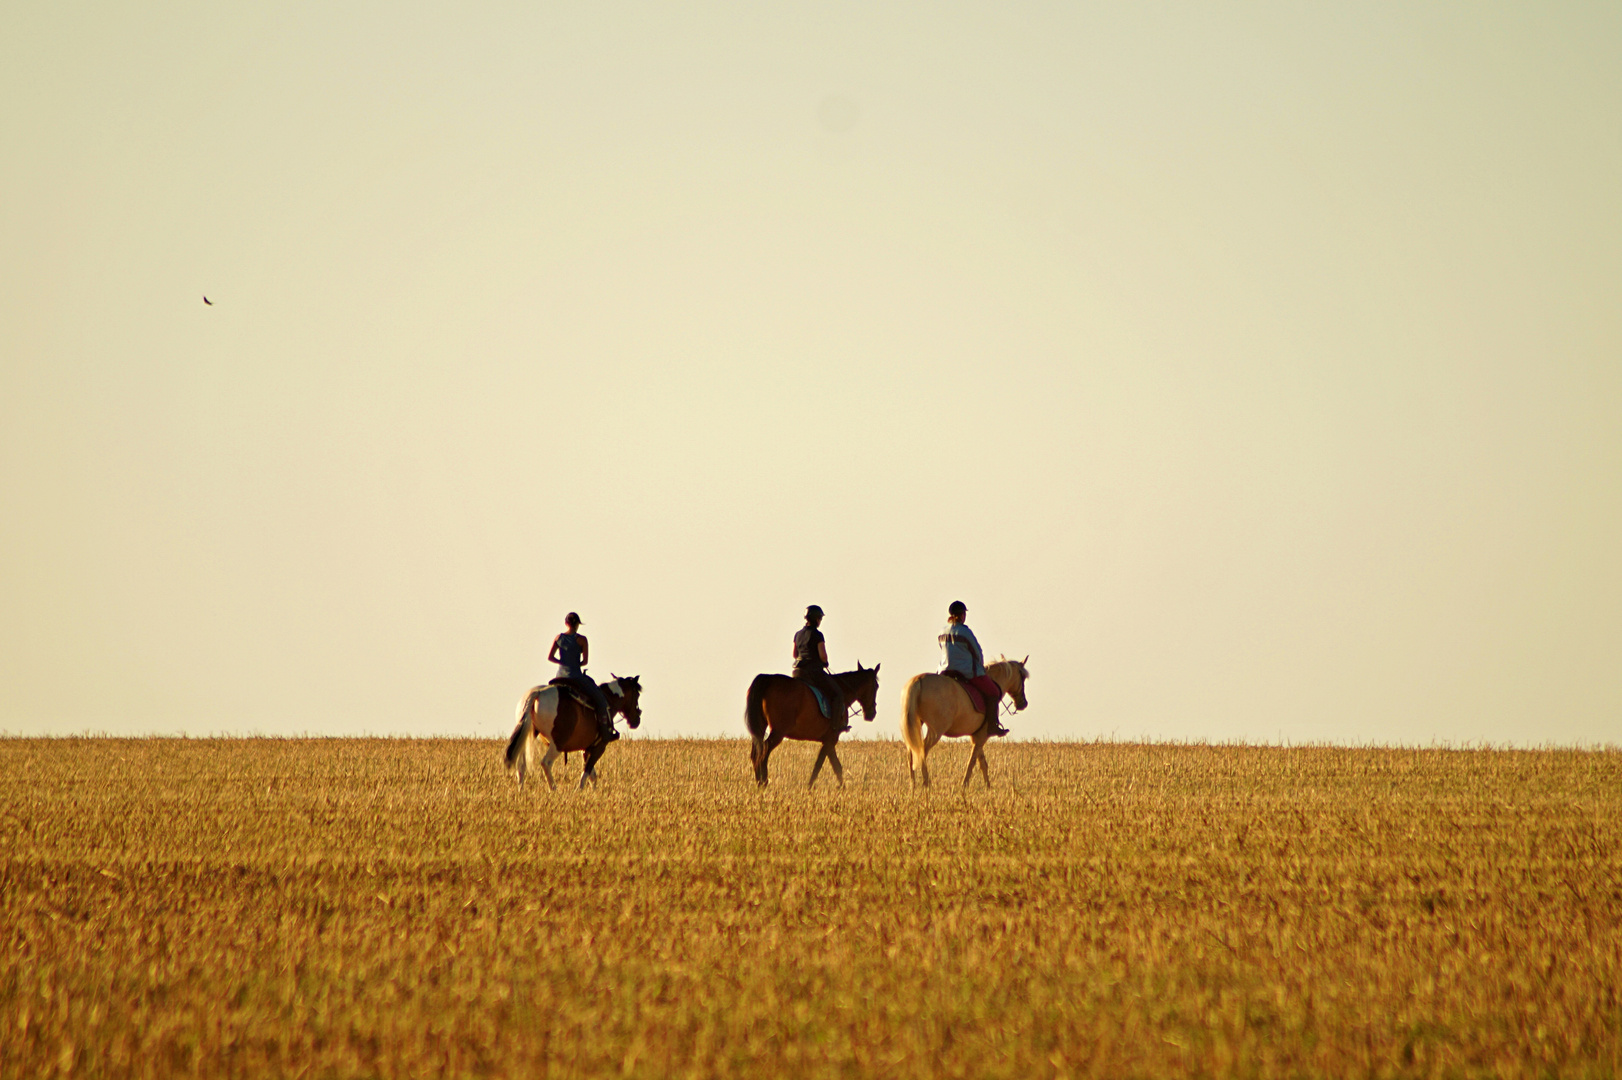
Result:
{"points": [[393, 906], [857, 735]]}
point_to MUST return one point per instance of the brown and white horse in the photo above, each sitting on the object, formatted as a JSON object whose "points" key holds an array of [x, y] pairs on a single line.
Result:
{"points": [[564, 725], [779, 707], [940, 704]]}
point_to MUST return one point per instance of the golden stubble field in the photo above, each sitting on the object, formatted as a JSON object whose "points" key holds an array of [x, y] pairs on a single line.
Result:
{"points": [[394, 908]]}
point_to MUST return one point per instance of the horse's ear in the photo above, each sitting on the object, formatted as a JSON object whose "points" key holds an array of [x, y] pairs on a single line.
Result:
{"points": [[1025, 661]]}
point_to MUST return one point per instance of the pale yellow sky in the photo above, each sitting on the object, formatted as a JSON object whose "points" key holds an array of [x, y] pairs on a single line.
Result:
{"points": [[1255, 369]]}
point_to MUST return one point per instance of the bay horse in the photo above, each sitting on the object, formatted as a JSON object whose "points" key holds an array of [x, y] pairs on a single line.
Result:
{"points": [[565, 725], [942, 705], [789, 710]]}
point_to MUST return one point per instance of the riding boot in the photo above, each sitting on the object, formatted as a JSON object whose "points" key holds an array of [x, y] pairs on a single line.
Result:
{"points": [[994, 728], [605, 727]]}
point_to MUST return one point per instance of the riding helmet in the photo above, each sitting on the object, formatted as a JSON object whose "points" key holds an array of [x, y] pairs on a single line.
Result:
{"points": [[813, 612], [957, 608]]}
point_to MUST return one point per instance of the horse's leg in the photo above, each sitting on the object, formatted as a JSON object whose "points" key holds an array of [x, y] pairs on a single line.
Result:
{"points": [[766, 755], [550, 756], [833, 759], [978, 754], [590, 771], [929, 744], [817, 768]]}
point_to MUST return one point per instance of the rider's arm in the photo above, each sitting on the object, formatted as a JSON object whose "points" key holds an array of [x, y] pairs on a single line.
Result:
{"points": [[822, 651], [585, 651], [974, 648], [552, 653]]}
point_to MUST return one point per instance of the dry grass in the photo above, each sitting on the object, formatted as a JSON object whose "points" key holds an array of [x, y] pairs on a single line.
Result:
{"points": [[397, 908]]}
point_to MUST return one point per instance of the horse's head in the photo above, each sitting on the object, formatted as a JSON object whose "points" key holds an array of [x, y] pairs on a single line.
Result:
{"points": [[626, 700], [1011, 676], [863, 685]]}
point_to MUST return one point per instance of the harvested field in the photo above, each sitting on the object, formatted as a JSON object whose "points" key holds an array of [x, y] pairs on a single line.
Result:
{"points": [[398, 908]]}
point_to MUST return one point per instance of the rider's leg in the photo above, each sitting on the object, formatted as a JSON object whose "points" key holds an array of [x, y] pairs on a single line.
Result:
{"points": [[992, 693], [605, 718], [993, 724], [838, 709]]}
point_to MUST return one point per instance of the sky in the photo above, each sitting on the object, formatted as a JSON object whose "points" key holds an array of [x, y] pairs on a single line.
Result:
{"points": [[1254, 368]]}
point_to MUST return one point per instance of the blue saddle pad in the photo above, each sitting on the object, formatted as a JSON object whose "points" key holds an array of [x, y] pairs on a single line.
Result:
{"points": [[822, 700]]}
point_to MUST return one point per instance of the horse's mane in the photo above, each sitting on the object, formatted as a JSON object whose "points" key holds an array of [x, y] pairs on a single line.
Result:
{"points": [[1002, 658]]}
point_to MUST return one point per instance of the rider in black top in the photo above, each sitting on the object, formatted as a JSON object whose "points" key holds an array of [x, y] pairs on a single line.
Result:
{"points": [[811, 666]]}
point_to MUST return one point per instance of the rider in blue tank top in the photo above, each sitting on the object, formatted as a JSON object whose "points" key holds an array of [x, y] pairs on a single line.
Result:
{"points": [[571, 652]]}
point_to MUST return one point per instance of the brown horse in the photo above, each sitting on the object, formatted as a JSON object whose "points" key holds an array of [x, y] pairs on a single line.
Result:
{"points": [[565, 725], [943, 706], [788, 708]]}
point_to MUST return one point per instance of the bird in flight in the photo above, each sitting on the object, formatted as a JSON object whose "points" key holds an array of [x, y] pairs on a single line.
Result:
{"points": [[207, 301]]}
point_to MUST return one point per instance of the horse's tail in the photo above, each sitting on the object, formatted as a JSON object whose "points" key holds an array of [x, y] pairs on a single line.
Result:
{"points": [[912, 724], [754, 714], [518, 745]]}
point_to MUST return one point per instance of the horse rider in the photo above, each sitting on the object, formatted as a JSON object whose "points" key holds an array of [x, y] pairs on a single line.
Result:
{"points": [[962, 659], [571, 652], [811, 666]]}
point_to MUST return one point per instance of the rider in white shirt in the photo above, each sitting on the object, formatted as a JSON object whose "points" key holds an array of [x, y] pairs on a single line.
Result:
{"points": [[961, 658]]}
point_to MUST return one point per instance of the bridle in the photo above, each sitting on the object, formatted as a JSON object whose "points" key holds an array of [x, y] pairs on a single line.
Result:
{"points": [[1008, 706], [626, 708], [856, 708]]}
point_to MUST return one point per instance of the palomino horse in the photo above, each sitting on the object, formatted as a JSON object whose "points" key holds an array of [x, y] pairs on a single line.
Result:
{"points": [[789, 709], [943, 706], [564, 725]]}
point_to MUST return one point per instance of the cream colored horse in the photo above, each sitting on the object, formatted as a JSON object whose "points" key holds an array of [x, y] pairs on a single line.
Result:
{"points": [[941, 705]]}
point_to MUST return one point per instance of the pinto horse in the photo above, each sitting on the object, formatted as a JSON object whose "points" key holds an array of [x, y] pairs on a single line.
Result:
{"points": [[787, 707], [564, 724], [943, 706]]}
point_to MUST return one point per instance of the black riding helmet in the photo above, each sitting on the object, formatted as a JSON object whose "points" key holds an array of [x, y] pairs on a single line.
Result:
{"points": [[813, 613], [957, 608]]}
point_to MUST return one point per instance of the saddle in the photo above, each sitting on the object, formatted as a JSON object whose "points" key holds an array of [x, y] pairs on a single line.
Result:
{"points": [[976, 698], [575, 694]]}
